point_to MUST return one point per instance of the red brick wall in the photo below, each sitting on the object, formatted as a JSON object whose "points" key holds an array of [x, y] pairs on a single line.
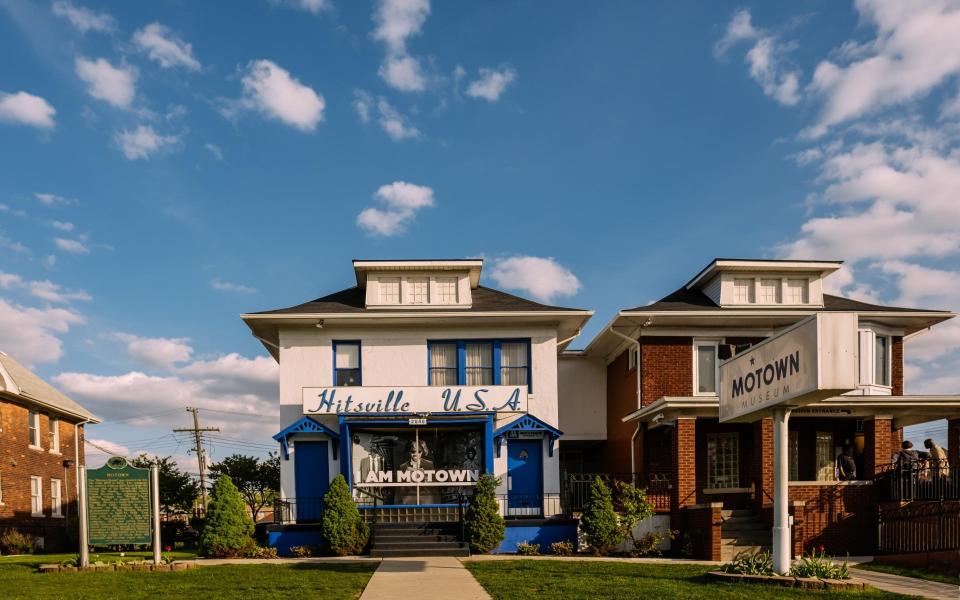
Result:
{"points": [[18, 462], [702, 529], [879, 440], [667, 364], [684, 463], [762, 457], [896, 371], [840, 517], [621, 401]]}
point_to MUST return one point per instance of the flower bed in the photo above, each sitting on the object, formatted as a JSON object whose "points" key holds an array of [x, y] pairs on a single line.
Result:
{"points": [[805, 583], [118, 566]]}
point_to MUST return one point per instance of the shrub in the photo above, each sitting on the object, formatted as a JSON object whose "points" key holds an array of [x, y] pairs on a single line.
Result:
{"points": [[262, 552], [301, 551], [342, 527], [563, 548], [14, 542], [816, 564], [527, 549], [750, 563], [482, 522], [228, 529], [599, 521], [649, 544]]}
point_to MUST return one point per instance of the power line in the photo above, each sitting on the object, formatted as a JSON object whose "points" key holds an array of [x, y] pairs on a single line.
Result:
{"points": [[201, 459]]}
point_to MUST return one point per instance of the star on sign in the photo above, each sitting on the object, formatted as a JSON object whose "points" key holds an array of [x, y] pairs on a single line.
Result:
{"points": [[752, 360]]}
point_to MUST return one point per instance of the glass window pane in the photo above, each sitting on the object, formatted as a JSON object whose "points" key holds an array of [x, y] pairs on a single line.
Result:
{"points": [[769, 291], [419, 290], [447, 290], [880, 359], [347, 356], [723, 460], [479, 366], [706, 368], [348, 377], [825, 459], [796, 291], [443, 364], [389, 290], [513, 363], [743, 292]]}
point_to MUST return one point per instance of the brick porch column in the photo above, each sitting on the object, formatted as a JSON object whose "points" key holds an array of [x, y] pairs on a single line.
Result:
{"points": [[684, 464], [878, 440], [953, 442], [763, 463]]}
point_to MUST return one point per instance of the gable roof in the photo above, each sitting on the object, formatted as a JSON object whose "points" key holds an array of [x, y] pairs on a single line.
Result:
{"points": [[19, 382]]}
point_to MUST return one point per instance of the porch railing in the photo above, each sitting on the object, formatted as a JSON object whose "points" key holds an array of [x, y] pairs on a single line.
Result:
{"points": [[920, 480], [298, 510], [919, 527], [529, 506], [576, 489]]}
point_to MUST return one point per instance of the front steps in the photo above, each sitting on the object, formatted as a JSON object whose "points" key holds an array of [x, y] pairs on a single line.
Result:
{"points": [[417, 539], [743, 530]]}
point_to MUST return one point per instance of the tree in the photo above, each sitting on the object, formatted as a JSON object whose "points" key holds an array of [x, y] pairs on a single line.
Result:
{"points": [[178, 490], [342, 527], [229, 529], [599, 520], [632, 507], [482, 522], [258, 481]]}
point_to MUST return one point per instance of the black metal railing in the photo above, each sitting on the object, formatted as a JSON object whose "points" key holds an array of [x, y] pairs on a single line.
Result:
{"points": [[298, 510], [576, 488], [919, 527], [920, 480]]}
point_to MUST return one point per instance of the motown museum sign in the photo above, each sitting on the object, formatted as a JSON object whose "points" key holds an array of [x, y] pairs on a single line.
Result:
{"points": [[413, 399]]}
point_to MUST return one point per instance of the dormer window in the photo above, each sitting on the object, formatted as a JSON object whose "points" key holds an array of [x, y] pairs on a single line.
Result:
{"points": [[447, 290], [743, 291], [389, 290], [797, 291], [769, 291], [419, 290]]}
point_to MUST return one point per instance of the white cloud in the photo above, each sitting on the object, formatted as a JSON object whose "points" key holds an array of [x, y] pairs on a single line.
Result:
{"points": [[315, 7], [923, 286], [396, 125], [214, 150], [71, 246], [143, 141], [915, 49], [401, 201], [160, 353], [542, 278], [396, 22], [740, 28], [226, 286], [98, 450], [115, 85], [403, 73], [363, 103], [492, 83], [52, 292], [765, 58], [52, 199], [32, 335], [83, 18], [62, 225], [26, 109], [274, 92], [163, 46], [17, 212]]}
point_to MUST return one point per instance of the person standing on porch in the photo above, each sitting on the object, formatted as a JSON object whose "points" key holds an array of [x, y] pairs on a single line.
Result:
{"points": [[907, 457], [939, 463], [846, 466]]}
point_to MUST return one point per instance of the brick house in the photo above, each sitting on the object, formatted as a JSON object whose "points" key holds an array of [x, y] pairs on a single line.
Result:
{"points": [[41, 448], [714, 482]]}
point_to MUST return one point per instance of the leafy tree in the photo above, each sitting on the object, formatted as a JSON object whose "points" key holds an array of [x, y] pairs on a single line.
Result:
{"points": [[178, 490], [258, 481], [483, 524], [229, 529], [599, 520], [632, 507], [342, 527]]}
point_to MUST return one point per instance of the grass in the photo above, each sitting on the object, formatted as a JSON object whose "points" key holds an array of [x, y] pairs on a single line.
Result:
{"points": [[576, 579], [264, 581], [911, 572]]}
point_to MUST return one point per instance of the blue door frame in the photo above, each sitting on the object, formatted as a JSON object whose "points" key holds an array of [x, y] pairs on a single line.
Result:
{"points": [[525, 476], [311, 478]]}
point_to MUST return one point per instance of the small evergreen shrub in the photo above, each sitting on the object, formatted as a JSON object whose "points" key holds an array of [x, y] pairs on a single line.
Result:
{"points": [[750, 563], [528, 549], [563, 548], [482, 522], [599, 521], [14, 542], [816, 564], [342, 527], [228, 530]]}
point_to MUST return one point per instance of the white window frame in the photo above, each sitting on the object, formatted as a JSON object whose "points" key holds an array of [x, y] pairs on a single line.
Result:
{"points": [[442, 296], [751, 290], [412, 283], [777, 291], [716, 366], [33, 429], [804, 291], [36, 499], [56, 498], [632, 358], [54, 429], [867, 340], [382, 286]]}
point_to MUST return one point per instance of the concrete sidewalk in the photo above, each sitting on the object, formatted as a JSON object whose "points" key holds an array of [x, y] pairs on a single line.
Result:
{"points": [[424, 579], [910, 586]]}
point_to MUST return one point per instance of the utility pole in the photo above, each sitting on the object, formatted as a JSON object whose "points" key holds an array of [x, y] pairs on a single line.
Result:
{"points": [[201, 459]]}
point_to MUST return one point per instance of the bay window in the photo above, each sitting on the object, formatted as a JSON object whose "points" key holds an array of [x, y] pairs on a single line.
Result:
{"points": [[346, 363]]}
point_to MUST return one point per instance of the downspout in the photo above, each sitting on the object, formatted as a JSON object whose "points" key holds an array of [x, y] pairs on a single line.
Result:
{"points": [[633, 455], [633, 438]]}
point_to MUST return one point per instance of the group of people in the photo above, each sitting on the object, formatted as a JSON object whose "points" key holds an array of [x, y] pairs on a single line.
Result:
{"points": [[932, 462]]}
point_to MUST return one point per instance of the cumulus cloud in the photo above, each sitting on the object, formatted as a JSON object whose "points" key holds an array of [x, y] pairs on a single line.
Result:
{"points": [[315, 7], [739, 29], [226, 286], [62, 225], [52, 199], [32, 335], [400, 201], [44, 290], [114, 85], [143, 142], [543, 278], [160, 353], [84, 19], [396, 22], [492, 83], [271, 90], [99, 450], [403, 73], [165, 47], [71, 246], [765, 58], [394, 124], [26, 109]]}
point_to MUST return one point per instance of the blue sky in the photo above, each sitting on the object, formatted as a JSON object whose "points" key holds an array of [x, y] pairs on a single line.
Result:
{"points": [[166, 168]]}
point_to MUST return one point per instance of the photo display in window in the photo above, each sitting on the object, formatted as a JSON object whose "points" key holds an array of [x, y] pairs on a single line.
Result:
{"points": [[421, 465]]}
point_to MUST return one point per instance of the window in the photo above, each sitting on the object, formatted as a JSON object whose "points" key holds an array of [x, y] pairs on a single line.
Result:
{"points": [[632, 358], [881, 360], [797, 291], [769, 292], [54, 434], [479, 365], [723, 460], [705, 368], [825, 459], [743, 292], [793, 440], [513, 363], [419, 290], [56, 500], [443, 364], [346, 363], [447, 290], [33, 423], [389, 290], [36, 496]]}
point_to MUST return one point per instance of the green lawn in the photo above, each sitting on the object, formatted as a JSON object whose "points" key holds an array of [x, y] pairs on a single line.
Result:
{"points": [[299, 580], [581, 579], [908, 572]]}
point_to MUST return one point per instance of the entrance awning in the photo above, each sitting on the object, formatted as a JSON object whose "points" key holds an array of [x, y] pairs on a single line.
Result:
{"points": [[526, 423], [305, 425]]}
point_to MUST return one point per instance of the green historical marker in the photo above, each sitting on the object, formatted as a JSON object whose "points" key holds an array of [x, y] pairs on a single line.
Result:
{"points": [[118, 504]]}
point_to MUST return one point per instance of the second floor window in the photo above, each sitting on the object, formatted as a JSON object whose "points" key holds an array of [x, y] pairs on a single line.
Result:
{"points": [[797, 291], [33, 422], [447, 290], [474, 363], [881, 360], [705, 368], [769, 292], [389, 290], [479, 365], [54, 434], [346, 363], [419, 290], [743, 291]]}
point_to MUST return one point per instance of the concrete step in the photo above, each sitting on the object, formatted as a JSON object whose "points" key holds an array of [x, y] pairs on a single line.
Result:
{"points": [[415, 538], [728, 553], [737, 512], [416, 552], [416, 545], [747, 540]]}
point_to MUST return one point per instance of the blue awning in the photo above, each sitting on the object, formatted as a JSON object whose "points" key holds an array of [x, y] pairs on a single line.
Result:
{"points": [[526, 423], [306, 425]]}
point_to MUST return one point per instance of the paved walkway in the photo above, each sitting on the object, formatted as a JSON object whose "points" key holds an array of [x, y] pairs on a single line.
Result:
{"points": [[910, 586], [423, 579]]}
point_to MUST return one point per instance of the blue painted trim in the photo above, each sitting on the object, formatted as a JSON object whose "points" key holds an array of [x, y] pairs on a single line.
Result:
{"points": [[461, 362], [359, 359], [346, 468], [304, 425], [528, 422], [488, 445], [495, 360], [476, 417]]}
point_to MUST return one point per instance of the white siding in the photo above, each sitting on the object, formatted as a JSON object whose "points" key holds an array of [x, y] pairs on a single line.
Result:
{"points": [[582, 391]]}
